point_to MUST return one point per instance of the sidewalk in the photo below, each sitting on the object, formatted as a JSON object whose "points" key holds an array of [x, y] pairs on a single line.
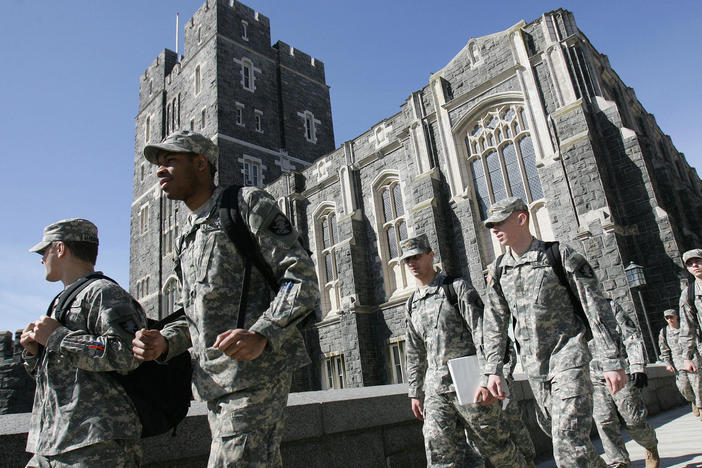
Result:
{"points": [[679, 441]]}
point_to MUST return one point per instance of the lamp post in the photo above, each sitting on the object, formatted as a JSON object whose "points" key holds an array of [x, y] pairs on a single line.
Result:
{"points": [[635, 277]]}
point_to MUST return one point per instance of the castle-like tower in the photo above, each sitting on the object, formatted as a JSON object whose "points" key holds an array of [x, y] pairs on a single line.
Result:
{"points": [[534, 111], [267, 107]]}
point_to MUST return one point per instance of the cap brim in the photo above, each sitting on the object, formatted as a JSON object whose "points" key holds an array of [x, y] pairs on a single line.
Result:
{"points": [[151, 152], [411, 253], [495, 219], [40, 246]]}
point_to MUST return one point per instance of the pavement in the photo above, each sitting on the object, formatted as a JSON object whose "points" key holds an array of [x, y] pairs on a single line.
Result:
{"points": [[679, 441]]}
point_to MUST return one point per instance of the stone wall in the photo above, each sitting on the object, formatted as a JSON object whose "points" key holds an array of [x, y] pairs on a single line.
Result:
{"points": [[362, 427]]}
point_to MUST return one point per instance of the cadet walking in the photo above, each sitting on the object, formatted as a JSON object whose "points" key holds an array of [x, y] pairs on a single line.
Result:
{"points": [[689, 384], [691, 313], [244, 373], [628, 402], [81, 415], [523, 284], [436, 332]]}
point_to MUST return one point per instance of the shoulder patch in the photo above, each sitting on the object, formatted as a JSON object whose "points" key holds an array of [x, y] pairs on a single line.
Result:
{"points": [[280, 225]]}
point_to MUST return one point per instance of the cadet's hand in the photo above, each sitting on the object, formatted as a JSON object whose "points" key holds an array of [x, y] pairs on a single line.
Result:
{"points": [[495, 387], [43, 328], [615, 380], [28, 342], [417, 408], [240, 344], [670, 368], [640, 379], [690, 366], [483, 396], [148, 345]]}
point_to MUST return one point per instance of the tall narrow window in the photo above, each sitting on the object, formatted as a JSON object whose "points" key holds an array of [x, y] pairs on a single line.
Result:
{"points": [[144, 219], [397, 363], [310, 125], [247, 74], [203, 118], [251, 168], [392, 226], [334, 372], [258, 115], [197, 80], [239, 114], [327, 240], [199, 34], [244, 30], [170, 225], [147, 130], [170, 296]]}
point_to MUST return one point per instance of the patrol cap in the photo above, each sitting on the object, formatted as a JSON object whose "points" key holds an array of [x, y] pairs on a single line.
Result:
{"points": [[694, 253], [74, 229], [670, 313], [414, 245], [500, 210], [183, 141]]}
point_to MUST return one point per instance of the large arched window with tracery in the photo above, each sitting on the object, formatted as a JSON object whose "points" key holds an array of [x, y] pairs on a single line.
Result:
{"points": [[327, 237], [392, 229], [502, 161]]}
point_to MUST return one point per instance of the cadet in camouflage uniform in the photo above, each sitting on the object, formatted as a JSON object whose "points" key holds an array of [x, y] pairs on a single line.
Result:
{"points": [[81, 415], [691, 314], [628, 402], [243, 374], [512, 412], [553, 348], [437, 332], [689, 384]]}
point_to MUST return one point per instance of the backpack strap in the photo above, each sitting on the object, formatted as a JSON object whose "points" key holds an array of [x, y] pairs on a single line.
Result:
{"points": [[691, 304], [68, 295], [247, 246], [553, 256]]}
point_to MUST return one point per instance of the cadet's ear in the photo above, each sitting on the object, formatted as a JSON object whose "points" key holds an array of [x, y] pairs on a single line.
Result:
{"points": [[523, 218], [201, 162]]}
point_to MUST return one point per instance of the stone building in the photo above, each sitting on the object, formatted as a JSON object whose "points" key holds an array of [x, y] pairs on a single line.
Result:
{"points": [[533, 111]]}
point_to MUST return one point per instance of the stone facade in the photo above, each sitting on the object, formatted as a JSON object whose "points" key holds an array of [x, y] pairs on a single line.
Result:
{"points": [[533, 111]]}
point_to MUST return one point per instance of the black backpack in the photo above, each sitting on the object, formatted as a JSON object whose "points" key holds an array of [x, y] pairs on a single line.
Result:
{"points": [[160, 392], [691, 304], [553, 256]]}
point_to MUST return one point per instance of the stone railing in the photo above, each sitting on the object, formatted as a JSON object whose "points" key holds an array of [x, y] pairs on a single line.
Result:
{"points": [[360, 427]]}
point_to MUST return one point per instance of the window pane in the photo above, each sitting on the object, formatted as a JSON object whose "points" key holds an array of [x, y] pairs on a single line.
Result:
{"points": [[335, 235], [328, 267], [402, 230], [514, 175], [387, 210], [481, 188], [493, 122], [492, 161], [392, 242], [325, 233], [397, 195], [509, 115], [525, 124], [529, 158]]}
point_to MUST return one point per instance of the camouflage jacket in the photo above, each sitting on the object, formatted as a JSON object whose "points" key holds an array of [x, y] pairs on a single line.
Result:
{"points": [[77, 403], [669, 344], [690, 331], [550, 335], [437, 332], [630, 342], [211, 273]]}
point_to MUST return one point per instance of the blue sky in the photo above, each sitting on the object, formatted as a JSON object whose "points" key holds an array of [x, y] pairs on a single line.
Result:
{"points": [[69, 93]]}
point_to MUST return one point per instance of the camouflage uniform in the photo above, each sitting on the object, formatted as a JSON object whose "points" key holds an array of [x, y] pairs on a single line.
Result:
{"points": [[689, 384], [628, 402], [246, 399], [553, 349], [513, 413], [436, 332], [78, 406], [690, 331]]}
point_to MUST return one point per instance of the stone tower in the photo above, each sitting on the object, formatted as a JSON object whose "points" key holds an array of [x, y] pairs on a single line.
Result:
{"points": [[267, 107]]}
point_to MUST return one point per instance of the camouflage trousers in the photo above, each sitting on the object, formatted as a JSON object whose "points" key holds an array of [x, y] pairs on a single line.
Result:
{"points": [[690, 385], [447, 424], [564, 411], [629, 403], [247, 426], [110, 453], [517, 429]]}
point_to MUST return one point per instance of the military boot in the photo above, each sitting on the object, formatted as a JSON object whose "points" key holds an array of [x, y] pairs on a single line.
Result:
{"points": [[695, 410], [652, 458]]}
